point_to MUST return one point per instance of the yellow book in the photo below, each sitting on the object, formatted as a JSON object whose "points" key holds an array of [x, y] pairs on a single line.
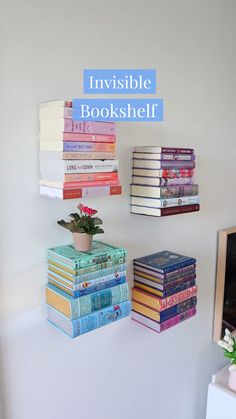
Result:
{"points": [[148, 289], [60, 287], [60, 280], [146, 311], [144, 275]]}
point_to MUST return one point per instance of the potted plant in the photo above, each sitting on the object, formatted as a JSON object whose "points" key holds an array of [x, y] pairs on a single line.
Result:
{"points": [[229, 345], [83, 226]]}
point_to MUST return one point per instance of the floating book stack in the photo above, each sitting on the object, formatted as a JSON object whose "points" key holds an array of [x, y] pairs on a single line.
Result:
{"points": [[165, 291], [86, 290], [162, 182], [77, 159]]}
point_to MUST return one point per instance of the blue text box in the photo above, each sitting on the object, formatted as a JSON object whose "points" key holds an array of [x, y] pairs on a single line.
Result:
{"points": [[120, 81], [148, 110]]}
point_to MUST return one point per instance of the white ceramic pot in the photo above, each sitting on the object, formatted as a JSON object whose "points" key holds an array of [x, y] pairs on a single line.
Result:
{"points": [[232, 378], [82, 241]]}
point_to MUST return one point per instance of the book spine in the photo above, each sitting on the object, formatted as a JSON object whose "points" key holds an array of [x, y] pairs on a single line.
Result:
{"points": [[144, 180], [101, 267], [179, 210], [86, 281], [178, 309], [83, 306], [96, 138], [164, 203], [163, 285], [91, 177], [75, 185], [179, 191], [182, 157], [177, 319], [168, 164], [177, 150], [164, 278], [101, 318], [90, 166], [77, 155], [98, 287], [177, 173], [89, 147], [168, 292], [91, 191], [107, 128]]}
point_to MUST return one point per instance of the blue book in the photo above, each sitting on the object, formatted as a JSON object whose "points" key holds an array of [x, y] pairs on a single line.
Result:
{"points": [[167, 292], [165, 261], [178, 309], [101, 252], [90, 322], [89, 289]]}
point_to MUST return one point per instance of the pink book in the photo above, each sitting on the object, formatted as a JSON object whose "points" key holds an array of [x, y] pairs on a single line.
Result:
{"points": [[160, 327], [94, 127]]}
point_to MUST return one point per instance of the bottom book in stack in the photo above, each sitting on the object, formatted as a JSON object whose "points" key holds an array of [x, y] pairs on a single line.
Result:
{"points": [[165, 290], [86, 290]]}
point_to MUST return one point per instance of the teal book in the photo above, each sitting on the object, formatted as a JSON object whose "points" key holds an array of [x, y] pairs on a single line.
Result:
{"points": [[100, 253], [90, 322], [82, 277], [82, 306]]}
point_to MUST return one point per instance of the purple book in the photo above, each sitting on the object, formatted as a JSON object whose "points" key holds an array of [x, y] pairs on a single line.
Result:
{"points": [[163, 164]]}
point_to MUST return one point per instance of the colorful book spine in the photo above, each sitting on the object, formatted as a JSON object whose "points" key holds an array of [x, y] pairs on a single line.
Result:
{"points": [[82, 306], [164, 203], [165, 212], [161, 304], [81, 192], [163, 150], [164, 286], [164, 278], [160, 327], [164, 315], [158, 156], [68, 136], [64, 268], [166, 292], [77, 127], [76, 185], [82, 284], [76, 155], [88, 323], [163, 173], [87, 290], [87, 276], [91, 177], [163, 164], [161, 181], [177, 191], [85, 147]]}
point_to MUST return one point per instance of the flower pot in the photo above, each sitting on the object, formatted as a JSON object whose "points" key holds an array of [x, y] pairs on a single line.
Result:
{"points": [[82, 241], [232, 378]]}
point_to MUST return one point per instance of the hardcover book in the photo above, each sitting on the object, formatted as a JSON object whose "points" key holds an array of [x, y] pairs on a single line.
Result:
{"points": [[100, 253], [163, 164], [165, 278], [158, 149], [158, 156], [68, 136], [77, 185], [76, 155], [164, 192], [161, 181], [166, 288], [90, 322], [163, 203], [89, 288], [78, 307], [77, 166], [163, 173], [165, 292], [161, 304], [69, 146], [164, 315], [165, 261], [71, 126], [160, 327], [164, 212], [80, 192]]}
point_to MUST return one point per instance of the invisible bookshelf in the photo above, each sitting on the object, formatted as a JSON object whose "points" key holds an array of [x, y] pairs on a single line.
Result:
{"points": [[86, 290], [163, 182], [77, 159], [165, 291]]}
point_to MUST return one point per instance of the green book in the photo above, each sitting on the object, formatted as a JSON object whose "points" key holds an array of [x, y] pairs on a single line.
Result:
{"points": [[100, 253]]}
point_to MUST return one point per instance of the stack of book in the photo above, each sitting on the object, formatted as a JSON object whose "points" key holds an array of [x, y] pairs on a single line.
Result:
{"points": [[77, 159], [165, 290], [86, 290], [162, 182]]}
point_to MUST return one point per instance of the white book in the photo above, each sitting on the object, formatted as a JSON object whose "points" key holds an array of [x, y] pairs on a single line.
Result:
{"points": [[159, 149], [76, 166], [159, 156], [86, 192], [152, 173], [48, 125], [51, 145], [164, 203], [55, 109], [164, 192]]}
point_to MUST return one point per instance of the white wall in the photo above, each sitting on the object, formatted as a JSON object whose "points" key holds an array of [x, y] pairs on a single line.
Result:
{"points": [[122, 370]]}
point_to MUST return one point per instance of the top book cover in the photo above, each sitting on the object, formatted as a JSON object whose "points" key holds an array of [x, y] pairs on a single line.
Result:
{"points": [[165, 261], [101, 252]]}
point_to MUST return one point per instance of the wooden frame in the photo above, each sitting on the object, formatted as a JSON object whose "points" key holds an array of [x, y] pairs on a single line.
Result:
{"points": [[220, 281]]}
